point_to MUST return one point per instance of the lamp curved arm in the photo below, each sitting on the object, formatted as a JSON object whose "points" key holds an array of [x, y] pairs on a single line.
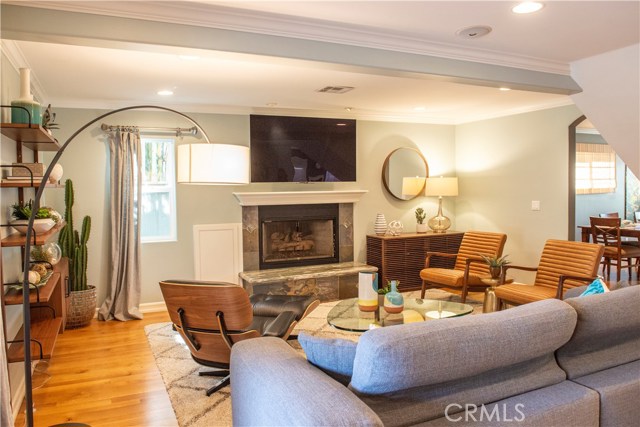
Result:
{"points": [[26, 315]]}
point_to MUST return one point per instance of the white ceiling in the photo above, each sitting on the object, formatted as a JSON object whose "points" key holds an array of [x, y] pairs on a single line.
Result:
{"points": [[82, 76]]}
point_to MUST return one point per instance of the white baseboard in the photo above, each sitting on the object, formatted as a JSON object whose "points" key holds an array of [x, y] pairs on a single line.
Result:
{"points": [[18, 398], [153, 307]]}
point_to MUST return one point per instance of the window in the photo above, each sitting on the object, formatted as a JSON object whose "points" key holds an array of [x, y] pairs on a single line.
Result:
{"points": [[595, 169], [158, 219]]}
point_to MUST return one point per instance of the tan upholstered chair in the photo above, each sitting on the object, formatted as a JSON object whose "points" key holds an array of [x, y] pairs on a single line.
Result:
{"points": [[212, 316], [617, 252], [469, 267], [563, 265]]}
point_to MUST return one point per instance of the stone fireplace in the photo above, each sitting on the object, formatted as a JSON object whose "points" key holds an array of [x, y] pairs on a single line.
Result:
{"points": [[297, 235], [300, 243]]}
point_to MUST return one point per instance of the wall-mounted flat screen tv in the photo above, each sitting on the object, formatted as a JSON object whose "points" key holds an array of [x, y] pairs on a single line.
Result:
{"points": [[302, 149]]}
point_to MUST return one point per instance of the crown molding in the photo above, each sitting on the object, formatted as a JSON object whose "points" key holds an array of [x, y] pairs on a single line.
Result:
{"points": [[17, 60], [242, 20]]}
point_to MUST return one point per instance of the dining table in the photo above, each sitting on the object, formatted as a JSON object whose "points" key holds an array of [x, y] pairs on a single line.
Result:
{"points": [[630, 230]]}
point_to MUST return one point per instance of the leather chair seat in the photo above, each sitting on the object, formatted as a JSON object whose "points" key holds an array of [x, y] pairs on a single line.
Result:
{"points": [[271, 305], [626, 251], [448, 277], [520, 293]]}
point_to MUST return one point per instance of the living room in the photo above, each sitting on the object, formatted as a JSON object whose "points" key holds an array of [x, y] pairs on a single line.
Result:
{"points": [[502, 163]]}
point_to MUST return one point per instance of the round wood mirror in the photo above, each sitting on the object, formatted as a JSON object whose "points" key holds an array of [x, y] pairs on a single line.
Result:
{"points": [[404, 172]]}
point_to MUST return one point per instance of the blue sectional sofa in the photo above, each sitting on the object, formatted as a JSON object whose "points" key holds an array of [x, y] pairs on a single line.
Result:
{"points": [[550, 363]]}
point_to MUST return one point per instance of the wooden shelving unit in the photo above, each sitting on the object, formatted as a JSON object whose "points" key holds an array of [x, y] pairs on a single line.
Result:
{"points": [[34, 137], [48, 303], [18, 239]]}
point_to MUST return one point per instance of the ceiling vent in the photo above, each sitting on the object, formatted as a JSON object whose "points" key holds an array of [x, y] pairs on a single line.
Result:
{"points": [[335, 89], [474, 32]]}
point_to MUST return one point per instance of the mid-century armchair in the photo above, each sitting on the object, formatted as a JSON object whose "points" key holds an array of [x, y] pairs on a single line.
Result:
{"points": [[563, 265], [469, 267], [212, 316]]}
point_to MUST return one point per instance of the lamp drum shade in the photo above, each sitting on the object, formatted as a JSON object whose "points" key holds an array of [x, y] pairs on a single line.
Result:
{"points": [[412, 186], [441, 186], [213, 164]]}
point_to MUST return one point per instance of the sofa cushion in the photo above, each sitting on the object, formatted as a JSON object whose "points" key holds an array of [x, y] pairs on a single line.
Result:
{"points": [[619, 389], [607, 333], [566, 404], [421, 354], [333, 355]]}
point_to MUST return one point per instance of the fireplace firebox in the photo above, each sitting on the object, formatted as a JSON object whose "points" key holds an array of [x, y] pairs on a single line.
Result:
{"points": [[297, 235]]}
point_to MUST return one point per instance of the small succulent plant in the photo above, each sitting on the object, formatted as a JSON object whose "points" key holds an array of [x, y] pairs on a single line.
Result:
{"points": [[420, 215], [496, 261]]}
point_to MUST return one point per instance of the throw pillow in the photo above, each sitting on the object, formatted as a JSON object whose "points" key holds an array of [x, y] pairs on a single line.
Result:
{"points": [[596, 287], [333, 356]]}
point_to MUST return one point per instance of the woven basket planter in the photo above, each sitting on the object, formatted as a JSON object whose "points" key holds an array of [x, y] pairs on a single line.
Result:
{"points": [[81, 307]]}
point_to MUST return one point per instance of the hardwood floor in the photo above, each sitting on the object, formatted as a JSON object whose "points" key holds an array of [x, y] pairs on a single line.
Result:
{"points": [[103, 375]]}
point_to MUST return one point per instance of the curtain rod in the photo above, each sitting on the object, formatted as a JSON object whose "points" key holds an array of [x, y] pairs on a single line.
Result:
{"points": [[178, 131]]}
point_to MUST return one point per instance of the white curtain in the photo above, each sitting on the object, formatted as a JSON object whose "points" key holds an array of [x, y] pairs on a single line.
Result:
{"points": [[6, 418], [123, 293]]}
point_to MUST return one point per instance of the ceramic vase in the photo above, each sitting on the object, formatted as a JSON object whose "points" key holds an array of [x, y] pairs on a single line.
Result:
{"points": [[422, 228], [368, 291], [380, 226], [19, 115], [393, 300]]}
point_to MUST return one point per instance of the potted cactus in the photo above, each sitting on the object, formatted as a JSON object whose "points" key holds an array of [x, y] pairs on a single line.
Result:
{"points": [[81, 305], [420, 216]]}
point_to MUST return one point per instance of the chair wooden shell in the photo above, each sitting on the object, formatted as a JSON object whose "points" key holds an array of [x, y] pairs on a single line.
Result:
{"points": [[469, 267], [563, 265]]}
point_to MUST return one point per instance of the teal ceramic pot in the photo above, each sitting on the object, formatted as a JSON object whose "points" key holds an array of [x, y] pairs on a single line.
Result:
{"points": [[393, 300]]}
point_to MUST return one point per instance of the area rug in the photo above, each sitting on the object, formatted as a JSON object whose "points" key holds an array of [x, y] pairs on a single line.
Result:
{"points": [[186, 388]]}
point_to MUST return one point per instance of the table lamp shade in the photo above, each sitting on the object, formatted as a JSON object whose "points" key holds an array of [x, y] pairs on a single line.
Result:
{"points": [[412, 185], [213, 164], [441, 186]]}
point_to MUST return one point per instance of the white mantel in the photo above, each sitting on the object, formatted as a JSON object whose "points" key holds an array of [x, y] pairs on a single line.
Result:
{"points": [[298, 197]]}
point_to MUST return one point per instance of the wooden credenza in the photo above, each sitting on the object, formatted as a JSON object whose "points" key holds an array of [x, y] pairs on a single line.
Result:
{"points": [[402, 257]]}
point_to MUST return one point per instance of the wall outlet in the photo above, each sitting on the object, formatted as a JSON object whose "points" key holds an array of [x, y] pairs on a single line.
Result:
{"points": [[535, 205]]}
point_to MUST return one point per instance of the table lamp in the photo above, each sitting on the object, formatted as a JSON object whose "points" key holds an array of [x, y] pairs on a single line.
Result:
{"points": [[440, 187]]}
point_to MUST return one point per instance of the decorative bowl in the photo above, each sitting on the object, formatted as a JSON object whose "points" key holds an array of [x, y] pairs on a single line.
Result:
{"points": [[39, 225]]}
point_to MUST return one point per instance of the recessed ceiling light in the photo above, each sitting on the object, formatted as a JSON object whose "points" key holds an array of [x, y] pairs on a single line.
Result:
{"points": [[418, 109], [348, 108], [504, 89], [165, 92], [272, 104], [528, 7]]}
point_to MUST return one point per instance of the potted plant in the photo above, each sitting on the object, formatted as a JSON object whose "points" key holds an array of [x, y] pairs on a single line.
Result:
{"points": [[21, 212], [496, 264], [81, 305], [420, 217]]}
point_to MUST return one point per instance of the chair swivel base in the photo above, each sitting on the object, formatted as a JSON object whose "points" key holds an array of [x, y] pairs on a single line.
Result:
{"points": [[223, 383]]}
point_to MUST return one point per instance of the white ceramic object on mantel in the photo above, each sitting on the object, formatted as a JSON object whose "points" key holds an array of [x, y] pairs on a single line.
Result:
{"points": [[422, 228], [39, 225], [380, 226]]}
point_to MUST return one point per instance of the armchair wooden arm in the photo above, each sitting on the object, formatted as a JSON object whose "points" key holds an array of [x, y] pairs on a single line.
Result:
{"points": [[564, 277], [440, 254]]}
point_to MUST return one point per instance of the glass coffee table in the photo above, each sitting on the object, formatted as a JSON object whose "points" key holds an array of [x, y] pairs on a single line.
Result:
{"points": [[347, 316]]}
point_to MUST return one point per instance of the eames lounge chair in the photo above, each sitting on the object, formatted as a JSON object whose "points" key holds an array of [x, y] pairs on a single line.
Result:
{"points": [[563, 265], [212, 316], [469, 268]]}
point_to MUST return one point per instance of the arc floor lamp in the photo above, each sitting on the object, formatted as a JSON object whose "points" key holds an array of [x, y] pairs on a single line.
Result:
{"points": [[212, 164]]}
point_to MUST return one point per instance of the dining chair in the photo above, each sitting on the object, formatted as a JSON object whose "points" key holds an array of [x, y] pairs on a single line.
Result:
{"points": [[212, 316], [563, 265], [469, 268], [609, 215], [618, 254], [637, 214]]}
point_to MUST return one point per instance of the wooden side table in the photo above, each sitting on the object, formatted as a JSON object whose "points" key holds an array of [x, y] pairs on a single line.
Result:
{"points": [[490, 301]]}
